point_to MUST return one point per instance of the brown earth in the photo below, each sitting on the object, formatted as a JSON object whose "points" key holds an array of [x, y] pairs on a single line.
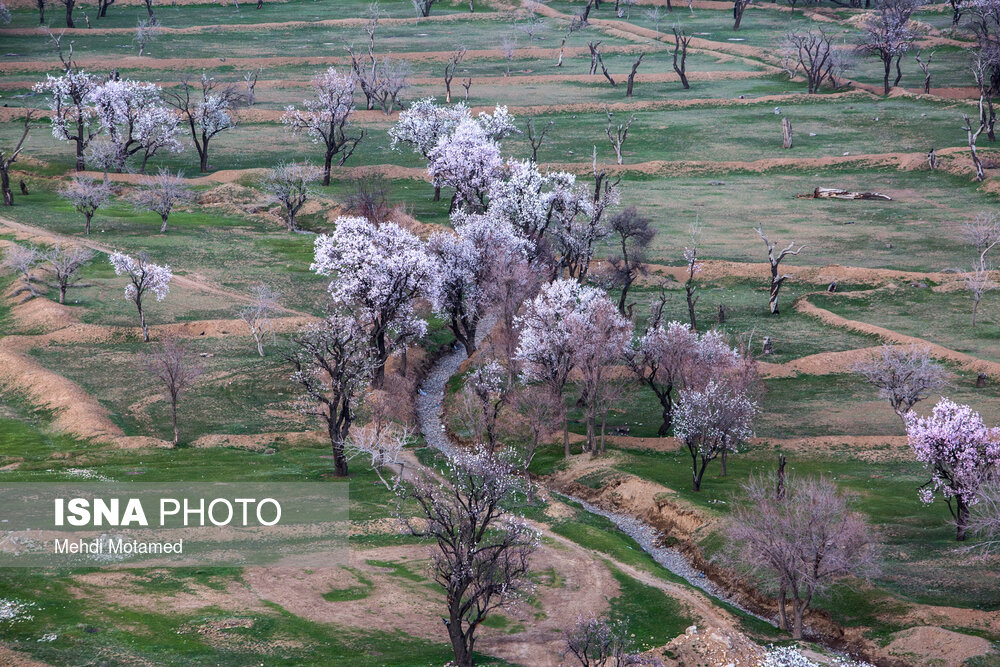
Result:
{"points": [[928, 646]]}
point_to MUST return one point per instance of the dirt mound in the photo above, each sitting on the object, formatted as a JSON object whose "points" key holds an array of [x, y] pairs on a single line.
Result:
{"points": [[711, 646], [928, 645], [257, 441], [823, 363], [44, 314], [12, 658]]}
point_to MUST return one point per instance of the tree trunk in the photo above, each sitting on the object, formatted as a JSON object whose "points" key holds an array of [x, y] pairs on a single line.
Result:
{"points": [[786, 133], [80, 163], [722, 459], [689, 293], [772, 302], [566, 434], [203, 154], [437, 193], [142, 323], [961, 519], [667, 414], [173, 419], [604, 425], [327, 162], [41, 12], [337, 447], [799, 610], [8, 195], [87, 229], [782, 613], [69, 15], [459, 645], [163, 227], [885, 77]]}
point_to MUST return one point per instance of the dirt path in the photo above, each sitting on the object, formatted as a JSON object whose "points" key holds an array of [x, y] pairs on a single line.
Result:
{"points": [[195, 283]]}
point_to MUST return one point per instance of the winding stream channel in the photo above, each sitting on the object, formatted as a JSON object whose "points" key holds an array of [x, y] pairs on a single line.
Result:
{"points": [[429, 404]]}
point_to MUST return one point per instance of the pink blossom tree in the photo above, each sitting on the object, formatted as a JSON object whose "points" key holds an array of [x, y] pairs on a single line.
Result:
{"points": [[599, 335], [546, 348], [713, 421], [959, 451], [422, 126], [144, 277], [326, 117], [670, 357], [379, 271]]}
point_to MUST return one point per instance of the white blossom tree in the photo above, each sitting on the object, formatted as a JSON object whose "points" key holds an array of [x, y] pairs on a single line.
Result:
{"points": [[23, 259], [144, 278], [288, 185], [326, 117], [378, 271], [86, 195], [468, 259], [208, 108], [135, 119], [160, 194], [423, 124], [73, 118], [467, 160]]}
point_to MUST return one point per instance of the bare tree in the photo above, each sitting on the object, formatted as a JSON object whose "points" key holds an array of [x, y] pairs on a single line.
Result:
{"points": [[594, 55], [9, 157], [654, 14], [633, 233], [482, 552], [904, 376], [536, 136], [631, 75], [257, 316], [982, 233], [161, 193], [691, 262], [146, 30], [617, 134], [887, 36], [288, 185], [801, 542], [508, 46], [177, 369], [973, 136], [985, 519], [450, 68], [369, 198], [250, 77], [86, 195], [332, 367], [596, 642], [978, 282], [23, 259], [208, 108], [681, 42], [777, 278], [739, 7], [64, 263], [69, 5], [467, 84], [423, 7], [812, 52], [925, 67]]}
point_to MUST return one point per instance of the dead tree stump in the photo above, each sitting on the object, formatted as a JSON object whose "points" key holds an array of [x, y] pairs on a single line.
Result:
{"points": [[786, 133], [768, 346], [832, 287], [980, 380]]}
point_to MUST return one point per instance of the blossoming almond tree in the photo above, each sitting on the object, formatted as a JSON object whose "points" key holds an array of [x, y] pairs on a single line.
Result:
{"points": [[73, 118], [160, 194], [467, 160], [712, 421], [327, 117], [86, 195], [959, 451], [144, 277], [546, 346], [208, 109], [133, 116], [378, 271], [467, 260]]}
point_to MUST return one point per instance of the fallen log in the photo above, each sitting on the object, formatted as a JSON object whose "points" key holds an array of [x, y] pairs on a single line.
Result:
{"points": [[837, 193]]}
